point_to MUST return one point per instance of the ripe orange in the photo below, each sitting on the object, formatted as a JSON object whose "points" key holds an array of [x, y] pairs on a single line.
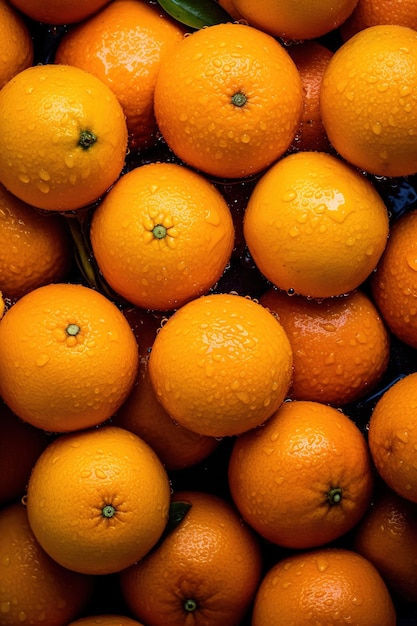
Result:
{"points": [[16, 46], [222, 364], [228, 100], [374, 12], [303, 479], [393, 437], [63, 137], [34, 589], [315, 226], [387, 536], [162, 235], [394, 284], [35, 248], [206, 571], [326, 586], [341, 346], [68, 357], [58, 12], [105, 620], [367, 100], [98, 500], [123, 45]]}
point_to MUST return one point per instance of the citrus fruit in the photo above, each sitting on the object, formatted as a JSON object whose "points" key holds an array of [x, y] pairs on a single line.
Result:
{"points": [[63, 137], [228, 100], [392, 437], [206, 571], [16, 46], [374, 12], [105, 620], [341, 347], [123, 45], [59, 12], [315, 226], [367, 103], [221, 364], [162, 236], [303, 479], [324, 586], [68, 357], [34, 588], [98, 499]]}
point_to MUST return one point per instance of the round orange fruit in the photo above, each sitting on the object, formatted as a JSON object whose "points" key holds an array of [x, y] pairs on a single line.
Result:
{"points": [[16, 46], [374, 12]]}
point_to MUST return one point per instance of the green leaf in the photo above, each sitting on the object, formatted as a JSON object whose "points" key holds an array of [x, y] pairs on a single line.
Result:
{"points": [[196, 13], [177, 512]]}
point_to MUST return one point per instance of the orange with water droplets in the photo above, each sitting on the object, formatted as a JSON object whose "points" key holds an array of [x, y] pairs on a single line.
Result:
{"points": [[59, 12], [374, 12], [16, 46]]}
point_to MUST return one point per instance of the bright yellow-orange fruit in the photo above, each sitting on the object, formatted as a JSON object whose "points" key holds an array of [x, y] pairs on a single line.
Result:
{"points": [[59, 12], [16, 46], [374, 12]]}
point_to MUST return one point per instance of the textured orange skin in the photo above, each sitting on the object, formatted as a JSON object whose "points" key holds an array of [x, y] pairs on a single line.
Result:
{"points": [[16, 47], [76, 477], [329, 587], [59, 12], [194, 108], [105, 620], [210, 557], [281, 475], [374, 12]]}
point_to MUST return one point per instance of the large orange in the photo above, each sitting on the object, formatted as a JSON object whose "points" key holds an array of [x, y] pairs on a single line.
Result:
{"points": [[228, 100], [303, 479], [68, 357], [162, 236], [367, 100], [123, 45], [374, 12], [222, 364], [16, 46], [59, 12], [206, 571], [98, 499], [63, 137], [315, 226]]}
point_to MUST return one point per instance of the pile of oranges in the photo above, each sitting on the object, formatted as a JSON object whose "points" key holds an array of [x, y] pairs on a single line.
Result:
{"points": [[208, 313]]}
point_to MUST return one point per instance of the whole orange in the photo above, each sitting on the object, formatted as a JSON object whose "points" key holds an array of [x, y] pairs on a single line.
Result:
{"points": [[228, 100], [315, 226], [221, 364], [68, 357], [367, 100], [162, 236], [63, 137], [16, 46], [206, 571], [59, 12], [304, 478], [98, 500], [374, 12]]}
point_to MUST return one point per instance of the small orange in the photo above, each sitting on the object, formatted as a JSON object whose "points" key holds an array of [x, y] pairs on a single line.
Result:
{"points": [[68, 357], [123, 45], [63, 137], [34, 589], [367, 100], [162, 235], [222, 364], [206, 571], [340, 345], [315, 226], [98, 500], [374, 12], [59, 12], [303, 479], [394, 284], [16, 46], [228, 100], [35, 248], [105, 620], [393, 437], [326, 586]]}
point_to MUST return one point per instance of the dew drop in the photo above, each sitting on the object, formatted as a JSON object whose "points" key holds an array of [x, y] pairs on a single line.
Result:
{"points": [[24, 178]]}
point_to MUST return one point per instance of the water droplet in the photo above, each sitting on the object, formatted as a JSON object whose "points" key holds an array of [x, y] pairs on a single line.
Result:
{"points": [[289, 195], [43, 186], [42, 360], [411, 259], [322, 564], [24, 178]]}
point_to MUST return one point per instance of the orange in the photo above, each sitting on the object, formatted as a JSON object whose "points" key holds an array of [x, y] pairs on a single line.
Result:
{"points": [[16, 46], [311, 59], [304, 19], [367, 100], [315, 226], [387, 536], [68, 357], [222, 364], [374, 12], [34, 588], [141, 413], [59, 12], [303, 479], [206, 571], [162, 236], [63, 137], [98, 499], [123, 45], [393, 437], [105, 620], [340, 345], [326, 586], [394, 284], [228, 100], [35, 248]]}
